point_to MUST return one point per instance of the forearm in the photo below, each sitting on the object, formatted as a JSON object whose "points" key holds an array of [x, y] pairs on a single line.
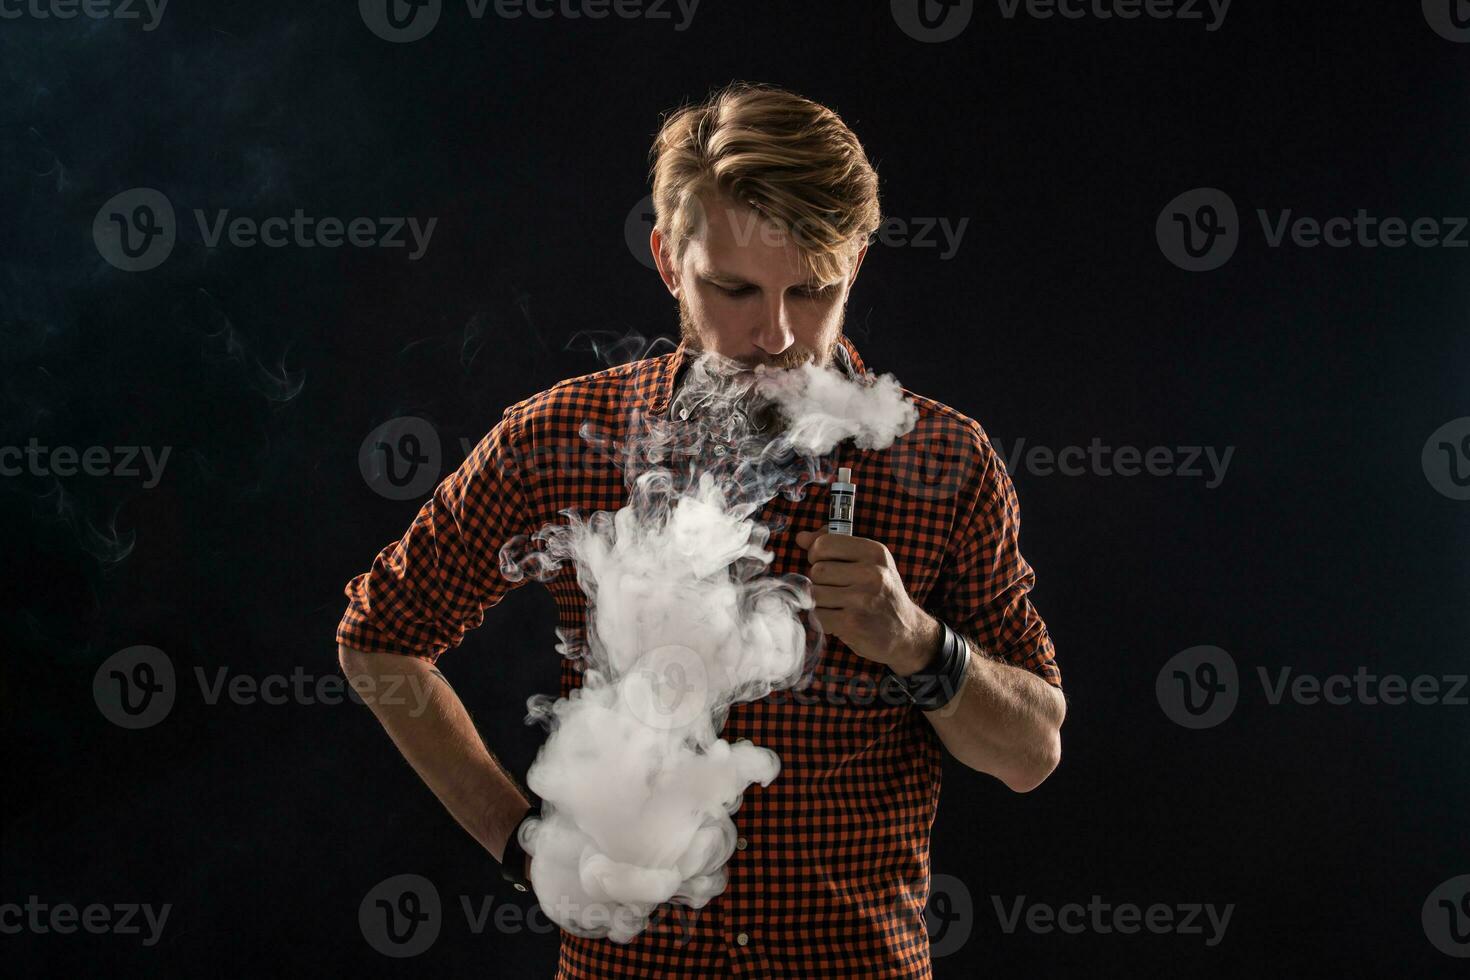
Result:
{"points": [[1005, 721], [431, 728]]}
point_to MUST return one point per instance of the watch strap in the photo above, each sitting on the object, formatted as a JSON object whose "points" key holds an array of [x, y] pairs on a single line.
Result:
{"points": [[937, 685], [513, 865]]}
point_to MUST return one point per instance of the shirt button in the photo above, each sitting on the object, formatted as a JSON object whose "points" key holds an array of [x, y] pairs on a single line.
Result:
{"points": [[743, 939], [740, 843], [683, 413]]}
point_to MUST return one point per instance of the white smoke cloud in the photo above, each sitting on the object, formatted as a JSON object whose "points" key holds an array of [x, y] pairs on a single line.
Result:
{"points": [[637, 785]]}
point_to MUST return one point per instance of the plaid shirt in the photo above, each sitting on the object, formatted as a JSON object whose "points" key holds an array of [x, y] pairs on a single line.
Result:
{"points": [[831, 873]]}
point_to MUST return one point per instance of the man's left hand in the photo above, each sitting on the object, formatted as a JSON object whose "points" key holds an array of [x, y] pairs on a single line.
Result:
{"points": [[861, 599]]}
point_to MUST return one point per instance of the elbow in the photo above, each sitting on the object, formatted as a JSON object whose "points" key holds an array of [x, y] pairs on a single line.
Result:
{"points": [[1046, 755], [1040, 765]]}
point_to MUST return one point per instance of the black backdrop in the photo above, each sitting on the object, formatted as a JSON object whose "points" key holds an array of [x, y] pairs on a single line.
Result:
{"points": [[1335, 542]]}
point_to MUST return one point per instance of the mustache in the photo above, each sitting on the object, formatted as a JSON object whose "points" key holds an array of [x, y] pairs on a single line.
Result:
{"points": [[786, 359]]}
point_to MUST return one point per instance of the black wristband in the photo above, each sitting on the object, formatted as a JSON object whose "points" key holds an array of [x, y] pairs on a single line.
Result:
{"points": [[938, 685], [513, 865]]}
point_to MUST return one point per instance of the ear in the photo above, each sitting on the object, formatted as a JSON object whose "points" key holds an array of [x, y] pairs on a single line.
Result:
{"points": [[664, 260]]}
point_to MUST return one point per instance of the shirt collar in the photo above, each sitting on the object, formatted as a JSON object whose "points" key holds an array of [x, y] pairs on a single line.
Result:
{"points": [[654, 387]]}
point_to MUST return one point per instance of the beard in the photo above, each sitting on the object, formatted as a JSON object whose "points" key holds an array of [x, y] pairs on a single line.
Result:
{"points": [[724, 393], [795, 356]]}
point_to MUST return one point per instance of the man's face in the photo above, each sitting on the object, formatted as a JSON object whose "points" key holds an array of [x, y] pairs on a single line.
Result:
{"points": [[743, 294]]}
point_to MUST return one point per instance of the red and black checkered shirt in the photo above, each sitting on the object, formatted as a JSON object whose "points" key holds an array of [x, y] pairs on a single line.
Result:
{"points": [[830, 876]]}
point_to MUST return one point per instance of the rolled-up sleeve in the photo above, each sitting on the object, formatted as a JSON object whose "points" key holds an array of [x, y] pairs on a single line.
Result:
{"points": [[426, 590], [984, 583]]}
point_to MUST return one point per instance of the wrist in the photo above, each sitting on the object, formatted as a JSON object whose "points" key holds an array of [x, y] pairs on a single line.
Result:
{"points": [[515, 864], [936, 685], [924, 654]]}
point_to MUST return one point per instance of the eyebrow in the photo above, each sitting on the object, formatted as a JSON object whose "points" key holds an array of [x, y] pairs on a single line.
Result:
{"points": [[727, 279]]}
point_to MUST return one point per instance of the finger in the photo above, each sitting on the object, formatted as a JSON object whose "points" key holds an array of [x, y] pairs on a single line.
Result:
{"points": [[845, 547], [832, 596], [828, 572]]}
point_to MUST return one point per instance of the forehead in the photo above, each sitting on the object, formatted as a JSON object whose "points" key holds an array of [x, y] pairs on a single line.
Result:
{"points": [[735, 239]]}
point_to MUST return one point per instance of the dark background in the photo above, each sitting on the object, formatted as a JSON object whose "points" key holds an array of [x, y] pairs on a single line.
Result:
{"points": [[1325, 548]]}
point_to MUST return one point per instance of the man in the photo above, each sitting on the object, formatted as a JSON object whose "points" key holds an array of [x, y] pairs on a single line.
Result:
{"points": [[765, 204]]}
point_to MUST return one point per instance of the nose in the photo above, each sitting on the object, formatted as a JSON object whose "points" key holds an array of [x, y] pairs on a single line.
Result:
{"points": [[774, 334]]}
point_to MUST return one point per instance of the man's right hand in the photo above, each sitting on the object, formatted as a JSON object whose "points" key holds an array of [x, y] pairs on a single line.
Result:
{"points": [[431, 727]]}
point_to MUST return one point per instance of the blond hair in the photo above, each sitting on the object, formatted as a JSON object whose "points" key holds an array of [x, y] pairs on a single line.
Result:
{"points": [[793, 161]]}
